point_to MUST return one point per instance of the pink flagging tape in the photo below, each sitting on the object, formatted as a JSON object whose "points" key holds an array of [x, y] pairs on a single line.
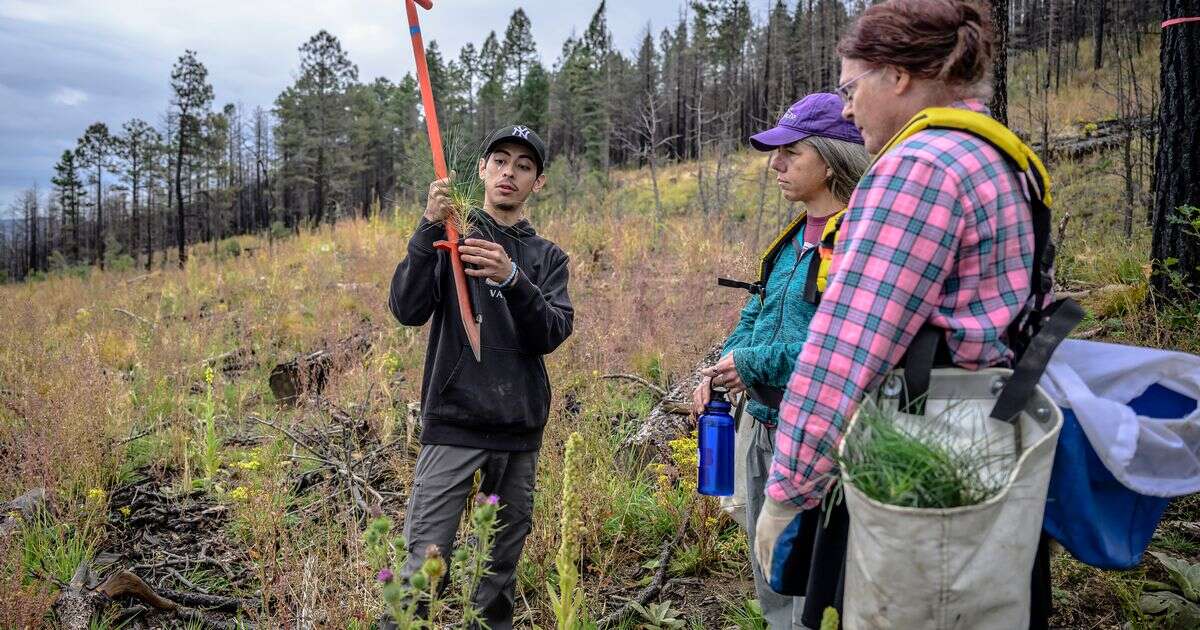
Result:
{"points": [[1177, 21]]}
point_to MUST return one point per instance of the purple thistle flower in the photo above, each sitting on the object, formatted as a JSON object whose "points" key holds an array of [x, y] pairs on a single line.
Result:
{"points": [[385, 575], [493, 499]]}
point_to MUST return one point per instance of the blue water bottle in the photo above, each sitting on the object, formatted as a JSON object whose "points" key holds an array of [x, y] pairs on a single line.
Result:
{"points": [[714, 475]]}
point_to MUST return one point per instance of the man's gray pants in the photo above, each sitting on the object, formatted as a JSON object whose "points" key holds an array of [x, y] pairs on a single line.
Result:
{"points": [[780, 611], [441, 488]]}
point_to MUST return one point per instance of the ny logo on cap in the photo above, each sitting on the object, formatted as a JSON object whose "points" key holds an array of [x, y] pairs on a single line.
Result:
{"points": [[522, 131]]}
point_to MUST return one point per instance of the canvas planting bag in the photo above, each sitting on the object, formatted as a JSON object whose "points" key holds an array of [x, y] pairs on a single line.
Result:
{"points": [[961, 568]]}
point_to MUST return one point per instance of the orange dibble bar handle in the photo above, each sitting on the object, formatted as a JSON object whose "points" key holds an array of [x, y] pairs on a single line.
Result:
{"points": [[470, 323]]}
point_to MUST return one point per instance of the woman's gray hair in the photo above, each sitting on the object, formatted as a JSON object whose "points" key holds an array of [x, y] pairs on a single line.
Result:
{"points": [[846, 160]]}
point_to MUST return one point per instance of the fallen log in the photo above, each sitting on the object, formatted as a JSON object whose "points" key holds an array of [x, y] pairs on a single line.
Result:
{"points": [[205, 601], [308, 373], [126, 584], [1105, 135], [668, 419], [20, 509]]}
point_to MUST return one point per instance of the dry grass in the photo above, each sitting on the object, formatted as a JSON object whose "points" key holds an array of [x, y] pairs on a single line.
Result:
{"points": [[77, 377]]}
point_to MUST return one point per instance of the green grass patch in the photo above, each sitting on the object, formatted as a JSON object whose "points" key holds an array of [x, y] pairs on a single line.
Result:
{"points": [[53, 550], [744, 614]]}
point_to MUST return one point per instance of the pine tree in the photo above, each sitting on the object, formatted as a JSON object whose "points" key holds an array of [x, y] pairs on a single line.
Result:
{"points": [[491, 93], [70, 190], [95, 151], [593, 86], [441, 80], [468, 75], [326, 75], [137, 145], [533, 98], [192, 96], [519, 50], [525, 78]]}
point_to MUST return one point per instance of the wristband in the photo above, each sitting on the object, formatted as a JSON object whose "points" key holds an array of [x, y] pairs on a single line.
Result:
{"points": [[508, 282]]}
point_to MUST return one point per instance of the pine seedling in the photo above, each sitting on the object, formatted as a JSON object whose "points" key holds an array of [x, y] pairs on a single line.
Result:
{"points": [[920, 465], [466, 189]]}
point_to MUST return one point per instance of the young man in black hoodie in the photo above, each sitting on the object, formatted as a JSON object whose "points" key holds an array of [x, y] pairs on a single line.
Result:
{"points": [[488, 415]]}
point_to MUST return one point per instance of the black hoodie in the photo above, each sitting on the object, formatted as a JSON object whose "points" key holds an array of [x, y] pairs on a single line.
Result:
{"points": [[503, 402]]}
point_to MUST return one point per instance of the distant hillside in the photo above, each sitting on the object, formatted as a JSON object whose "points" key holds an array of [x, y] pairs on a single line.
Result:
{"points": [[8, 227]]}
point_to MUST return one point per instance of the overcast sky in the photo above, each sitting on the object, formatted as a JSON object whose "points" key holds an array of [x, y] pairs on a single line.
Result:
{"points": [[65, 64]]}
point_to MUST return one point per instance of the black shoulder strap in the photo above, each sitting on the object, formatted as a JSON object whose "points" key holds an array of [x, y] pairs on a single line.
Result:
{"points": [[1025, 327], [772, 255], [927, 351], [754, 288], [1060, 319], [811, 293]]}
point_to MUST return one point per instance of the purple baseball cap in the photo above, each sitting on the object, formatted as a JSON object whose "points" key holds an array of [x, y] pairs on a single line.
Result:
{"points": [[817, 114]]}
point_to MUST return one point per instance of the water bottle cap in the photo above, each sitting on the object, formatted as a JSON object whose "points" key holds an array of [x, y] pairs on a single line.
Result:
{"points": [[718, 405]]}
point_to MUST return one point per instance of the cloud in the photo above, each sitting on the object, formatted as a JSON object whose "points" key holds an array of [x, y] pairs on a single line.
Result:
{"points": [[69, 96]]}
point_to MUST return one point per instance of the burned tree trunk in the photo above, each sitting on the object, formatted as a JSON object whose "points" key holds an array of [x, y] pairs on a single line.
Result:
{"points": [[999, 103], [1175, 251], [308, 373], [79, 602]]}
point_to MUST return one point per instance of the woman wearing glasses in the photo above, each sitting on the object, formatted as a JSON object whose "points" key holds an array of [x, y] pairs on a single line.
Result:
{"points": [[818, 158], [938, 232]]}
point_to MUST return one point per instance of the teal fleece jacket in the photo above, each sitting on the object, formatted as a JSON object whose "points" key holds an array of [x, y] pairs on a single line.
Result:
{"points": [[771, 331]]}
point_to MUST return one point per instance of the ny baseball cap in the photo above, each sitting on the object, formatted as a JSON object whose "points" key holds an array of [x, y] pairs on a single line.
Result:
{"points": [[817, 114], [521, 135]]}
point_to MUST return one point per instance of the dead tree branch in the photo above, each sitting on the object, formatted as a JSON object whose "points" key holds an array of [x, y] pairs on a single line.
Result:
{"points": [[656, 583]]}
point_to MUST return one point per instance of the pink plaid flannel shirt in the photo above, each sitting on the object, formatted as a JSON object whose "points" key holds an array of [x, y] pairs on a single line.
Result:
{"points": [[938, 230]]}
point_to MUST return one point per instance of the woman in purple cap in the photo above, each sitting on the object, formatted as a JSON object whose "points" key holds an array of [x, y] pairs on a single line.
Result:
{"points": [[818, 158]]}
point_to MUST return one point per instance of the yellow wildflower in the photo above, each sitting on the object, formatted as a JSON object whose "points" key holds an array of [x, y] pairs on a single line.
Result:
{"points": [[239, 493], [208, 375], [126, 510], [96, 495]]}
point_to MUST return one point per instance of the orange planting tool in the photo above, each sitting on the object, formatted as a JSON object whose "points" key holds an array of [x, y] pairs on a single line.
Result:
{"points": [[469, 320]]}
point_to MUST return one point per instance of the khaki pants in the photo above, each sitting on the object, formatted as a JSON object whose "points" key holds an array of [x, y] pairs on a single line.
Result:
{"points": [[735, 505], [781, 611]]}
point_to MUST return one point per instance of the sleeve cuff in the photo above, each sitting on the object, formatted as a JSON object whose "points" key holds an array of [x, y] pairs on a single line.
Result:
{"points": [[426, 235], [521, 286], [742, 362]]}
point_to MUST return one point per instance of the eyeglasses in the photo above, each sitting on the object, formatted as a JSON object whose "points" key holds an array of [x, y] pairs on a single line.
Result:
{"points": [[844, 90]]}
